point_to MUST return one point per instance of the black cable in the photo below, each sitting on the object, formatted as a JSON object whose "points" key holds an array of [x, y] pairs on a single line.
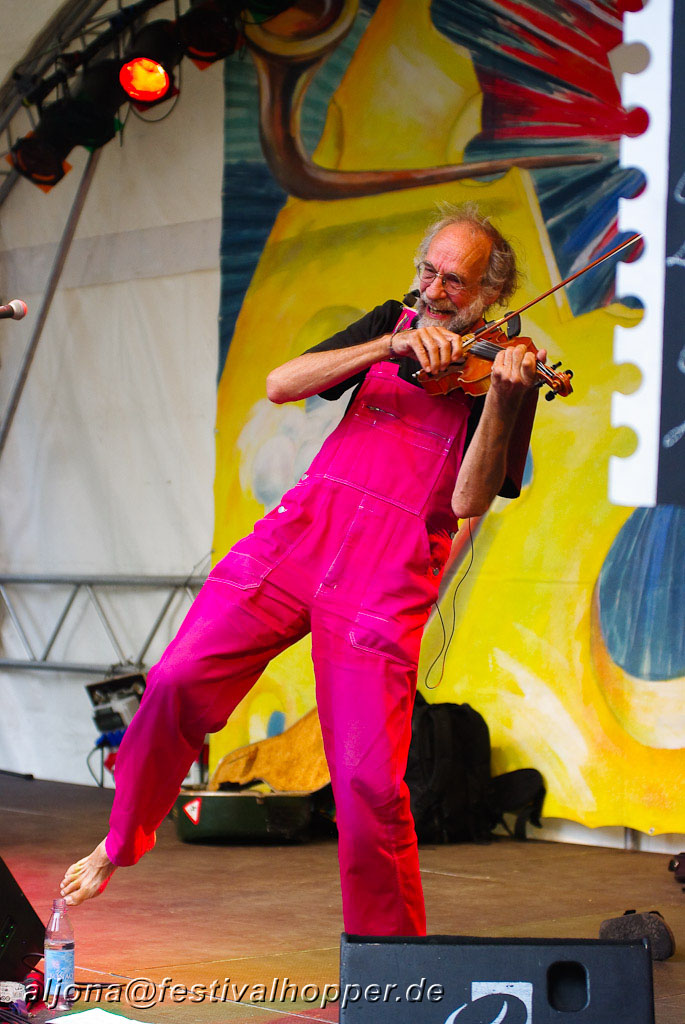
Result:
{"points": [[444, 648], [175, 98]]}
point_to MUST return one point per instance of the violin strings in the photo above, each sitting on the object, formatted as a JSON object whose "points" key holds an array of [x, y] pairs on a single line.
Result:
{"points": [[487, 349], [445, 647]]}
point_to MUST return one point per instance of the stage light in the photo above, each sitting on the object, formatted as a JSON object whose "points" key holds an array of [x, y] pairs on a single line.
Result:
{"points": [[115, 701], [147, 74], [41, 155], [144, 79], [207, 32], [85, 118]]}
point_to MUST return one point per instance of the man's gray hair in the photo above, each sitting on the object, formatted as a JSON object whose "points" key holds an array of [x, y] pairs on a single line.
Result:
{"points": [[502, 272]]}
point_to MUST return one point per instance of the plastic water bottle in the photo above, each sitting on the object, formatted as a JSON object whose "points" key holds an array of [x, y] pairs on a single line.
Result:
{"points": [[60, 992]]}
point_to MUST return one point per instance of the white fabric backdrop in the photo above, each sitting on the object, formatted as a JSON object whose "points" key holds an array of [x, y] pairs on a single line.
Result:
{"points": [[110, 461]]}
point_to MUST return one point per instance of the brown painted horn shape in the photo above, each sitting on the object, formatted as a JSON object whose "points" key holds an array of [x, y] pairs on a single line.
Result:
{"points": [[287, 51]]}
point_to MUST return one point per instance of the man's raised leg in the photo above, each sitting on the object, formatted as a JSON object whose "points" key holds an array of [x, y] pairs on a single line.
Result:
{"points": [[225, 642]]}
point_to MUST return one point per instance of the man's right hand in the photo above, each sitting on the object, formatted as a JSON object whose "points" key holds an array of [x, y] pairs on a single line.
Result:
{"points": [[434, 347]]}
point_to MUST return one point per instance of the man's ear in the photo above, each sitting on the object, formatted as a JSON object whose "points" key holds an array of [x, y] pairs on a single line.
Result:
{"points": [[491, 296]]}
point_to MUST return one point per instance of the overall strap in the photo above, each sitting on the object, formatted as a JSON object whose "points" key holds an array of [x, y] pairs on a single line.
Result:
{"points": [[406, 319]]}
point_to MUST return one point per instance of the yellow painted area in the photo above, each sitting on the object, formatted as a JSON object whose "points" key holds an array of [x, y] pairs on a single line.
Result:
{"points": [[394, 107], [526, 651]]}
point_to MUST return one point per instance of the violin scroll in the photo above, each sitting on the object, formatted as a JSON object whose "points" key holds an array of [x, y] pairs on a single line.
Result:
{"points": [[559, 383]]}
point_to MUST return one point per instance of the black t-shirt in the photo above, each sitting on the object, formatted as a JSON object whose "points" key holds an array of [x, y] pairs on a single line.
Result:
{"points": [[382, 320]]}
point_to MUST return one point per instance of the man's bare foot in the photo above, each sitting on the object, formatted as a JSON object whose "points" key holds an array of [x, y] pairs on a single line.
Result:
{"points": [[88, 877]]}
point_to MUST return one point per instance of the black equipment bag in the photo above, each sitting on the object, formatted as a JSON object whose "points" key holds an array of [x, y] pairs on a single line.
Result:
{"points": [[521, 793], [453, 796]]}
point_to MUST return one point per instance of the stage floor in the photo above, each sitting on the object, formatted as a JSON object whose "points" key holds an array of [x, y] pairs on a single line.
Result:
{"points": [[263, 923]]}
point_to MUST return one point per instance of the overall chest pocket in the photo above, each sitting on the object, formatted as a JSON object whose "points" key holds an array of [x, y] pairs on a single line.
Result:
{"points": [[384, 454]]}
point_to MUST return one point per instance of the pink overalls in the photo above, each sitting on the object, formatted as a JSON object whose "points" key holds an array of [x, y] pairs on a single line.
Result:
{"points": [[354, 553]]}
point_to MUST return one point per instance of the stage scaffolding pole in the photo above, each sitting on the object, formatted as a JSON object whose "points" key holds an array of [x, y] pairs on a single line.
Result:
{"points": [[50, 289]]}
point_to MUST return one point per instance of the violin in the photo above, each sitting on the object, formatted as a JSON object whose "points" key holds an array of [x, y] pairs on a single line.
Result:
{"points": [[472, 374], [481, 347]]}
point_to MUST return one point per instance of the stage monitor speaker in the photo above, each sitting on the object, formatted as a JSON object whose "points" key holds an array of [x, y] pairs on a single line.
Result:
{"points": [[444, 979], [21, 930]]}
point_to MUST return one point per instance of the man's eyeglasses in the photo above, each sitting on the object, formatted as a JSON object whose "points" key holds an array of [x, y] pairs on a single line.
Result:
{"points": [[453, 285]]}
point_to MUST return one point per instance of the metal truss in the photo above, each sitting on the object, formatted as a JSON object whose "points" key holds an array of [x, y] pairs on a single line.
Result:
{"points": [[74, 23], [90, 590]]}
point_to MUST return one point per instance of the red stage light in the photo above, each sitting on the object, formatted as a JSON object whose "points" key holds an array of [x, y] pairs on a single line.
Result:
{"points": [[147, 70], [144, 79]]}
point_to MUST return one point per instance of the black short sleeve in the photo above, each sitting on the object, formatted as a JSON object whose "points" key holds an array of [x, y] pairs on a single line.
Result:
{"points": [[380, 320]]}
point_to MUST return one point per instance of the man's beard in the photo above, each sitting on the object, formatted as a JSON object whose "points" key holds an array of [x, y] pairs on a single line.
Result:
{"points": [[463, 317]]}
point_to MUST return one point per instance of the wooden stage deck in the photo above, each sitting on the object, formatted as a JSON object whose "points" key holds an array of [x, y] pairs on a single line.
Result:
{"points": [[270, 915]]}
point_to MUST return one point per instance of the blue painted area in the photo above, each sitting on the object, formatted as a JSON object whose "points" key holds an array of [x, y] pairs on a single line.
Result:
{"points": [[251, 198], [251, 201], [579, 204], [579, 208], [276, 724], [241, 111], [642, 594], [489, 30]]}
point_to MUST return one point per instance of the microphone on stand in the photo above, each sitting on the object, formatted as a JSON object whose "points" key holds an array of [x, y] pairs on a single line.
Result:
{"points": [[14, 310]]}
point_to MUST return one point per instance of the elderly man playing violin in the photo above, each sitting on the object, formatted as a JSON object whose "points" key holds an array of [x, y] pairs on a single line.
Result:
{"points": [[354, 553]]}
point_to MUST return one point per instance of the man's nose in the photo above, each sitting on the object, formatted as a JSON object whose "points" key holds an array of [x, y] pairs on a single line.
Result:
{"points": [[436, 289]]}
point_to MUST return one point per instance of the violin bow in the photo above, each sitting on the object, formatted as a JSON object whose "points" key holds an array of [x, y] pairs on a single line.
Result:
{"points": [[509, 316]]}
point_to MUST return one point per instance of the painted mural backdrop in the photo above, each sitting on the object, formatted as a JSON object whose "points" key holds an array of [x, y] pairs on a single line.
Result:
{"points": [[568, 628]]}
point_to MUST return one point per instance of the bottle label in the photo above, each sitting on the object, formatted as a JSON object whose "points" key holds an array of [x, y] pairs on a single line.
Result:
{"points": [[59, 974]]}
